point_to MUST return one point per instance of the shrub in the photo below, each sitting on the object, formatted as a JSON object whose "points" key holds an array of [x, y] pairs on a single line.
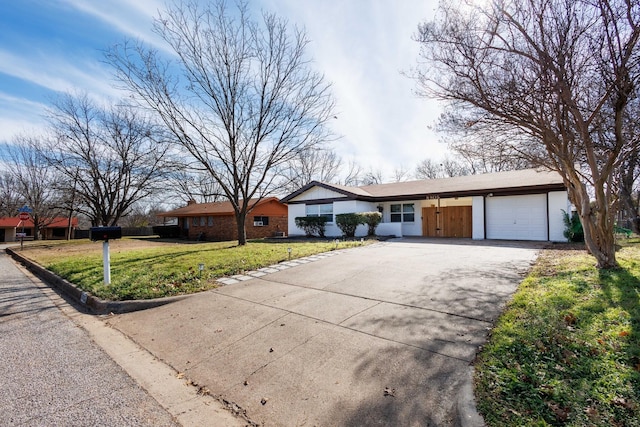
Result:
{"points": [[371, 219], [572, 227], [348, 223], [312, 225]]}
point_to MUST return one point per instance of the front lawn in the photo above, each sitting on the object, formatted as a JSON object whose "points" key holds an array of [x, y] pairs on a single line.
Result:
{"points": [[567, 349], [143, 269]]}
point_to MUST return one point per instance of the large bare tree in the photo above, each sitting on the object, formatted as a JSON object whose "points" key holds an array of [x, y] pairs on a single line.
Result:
{"points": [[553, 79], [110, 157], [240, 97], [35, 184]]}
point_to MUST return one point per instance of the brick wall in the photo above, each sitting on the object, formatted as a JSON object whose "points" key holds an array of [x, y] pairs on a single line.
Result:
{"points": [[225, 228]]}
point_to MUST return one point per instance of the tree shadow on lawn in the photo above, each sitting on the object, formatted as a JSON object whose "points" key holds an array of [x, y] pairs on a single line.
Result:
{"points": [[622, 289]]}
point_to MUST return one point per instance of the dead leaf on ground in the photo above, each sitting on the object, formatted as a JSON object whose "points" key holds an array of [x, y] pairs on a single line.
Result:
{"points": [[203, 391], [264, 400], [561, 413], [180, 375], [591, 412], [390, 392], [621, 401]]}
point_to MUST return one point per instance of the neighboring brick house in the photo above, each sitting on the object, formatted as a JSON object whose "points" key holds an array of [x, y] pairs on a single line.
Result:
{"points": [[54, 229], [217, 222]]}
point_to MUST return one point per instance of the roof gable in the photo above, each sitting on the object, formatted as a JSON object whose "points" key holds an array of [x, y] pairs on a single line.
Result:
{"points": [[316, 190]]}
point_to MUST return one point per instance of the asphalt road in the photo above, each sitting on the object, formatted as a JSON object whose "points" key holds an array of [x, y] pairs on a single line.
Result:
{"points": [[378, 335], [52, 373]]}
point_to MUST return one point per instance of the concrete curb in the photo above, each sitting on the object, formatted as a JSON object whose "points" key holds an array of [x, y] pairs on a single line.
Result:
{"points": [[84, 299], [466, 410]]}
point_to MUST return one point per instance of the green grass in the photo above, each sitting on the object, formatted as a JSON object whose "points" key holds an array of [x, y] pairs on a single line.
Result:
{"points": [[567, 349], [166, 269]]}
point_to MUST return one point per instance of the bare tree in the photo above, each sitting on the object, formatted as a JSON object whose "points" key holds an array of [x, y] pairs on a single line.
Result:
{"points": [[452, 167], [428, 169], [401, 173], [34, 181], [241, 99], [629, 191], [319, 164], [629, 175], [10, 198], [448, 167], [353, 175], [110, 157], [554, 76], [373, 177], [190, 184]]}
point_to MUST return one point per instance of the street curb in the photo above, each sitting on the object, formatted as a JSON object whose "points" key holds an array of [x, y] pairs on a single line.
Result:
{"points": [[466, 410], [85, 299]]}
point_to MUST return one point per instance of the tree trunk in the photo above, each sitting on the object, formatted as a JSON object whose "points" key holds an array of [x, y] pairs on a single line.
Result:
{"points": [[597, 224], [242, 232]]}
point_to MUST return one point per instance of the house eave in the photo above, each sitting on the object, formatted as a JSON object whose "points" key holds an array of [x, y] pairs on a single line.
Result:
{"points": [[498, 191]]}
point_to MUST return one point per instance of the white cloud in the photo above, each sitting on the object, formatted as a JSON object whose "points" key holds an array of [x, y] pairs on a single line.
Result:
{"points": [[56, 73], [133, 18], [20, 116], [362, 47]]}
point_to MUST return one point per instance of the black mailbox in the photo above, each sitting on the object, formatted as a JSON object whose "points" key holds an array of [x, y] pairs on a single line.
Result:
{"points": [[105, 233]]}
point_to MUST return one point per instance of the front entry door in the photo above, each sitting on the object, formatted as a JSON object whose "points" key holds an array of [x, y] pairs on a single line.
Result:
{"points": [[452, 221]]}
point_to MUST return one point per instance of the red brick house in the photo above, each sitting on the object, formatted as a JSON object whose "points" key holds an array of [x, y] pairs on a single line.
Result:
{"points": [[56, 229], [217, 222]]}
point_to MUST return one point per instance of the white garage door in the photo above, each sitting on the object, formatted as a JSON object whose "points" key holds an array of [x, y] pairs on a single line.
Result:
{"points": [[517, 217]]}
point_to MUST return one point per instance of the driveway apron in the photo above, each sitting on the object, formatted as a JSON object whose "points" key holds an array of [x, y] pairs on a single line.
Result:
{"points": [[378, 335]]}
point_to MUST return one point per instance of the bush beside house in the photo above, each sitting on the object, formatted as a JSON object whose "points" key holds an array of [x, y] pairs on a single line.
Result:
{"points": [[312, 225], [371, 219], [348, 222]]}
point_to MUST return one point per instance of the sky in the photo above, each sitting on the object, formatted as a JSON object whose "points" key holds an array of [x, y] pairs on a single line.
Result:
{"points": [[48, 47]]}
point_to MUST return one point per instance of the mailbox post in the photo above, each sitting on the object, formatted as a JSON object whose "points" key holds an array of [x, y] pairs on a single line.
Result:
{"points": [[104, 234]]}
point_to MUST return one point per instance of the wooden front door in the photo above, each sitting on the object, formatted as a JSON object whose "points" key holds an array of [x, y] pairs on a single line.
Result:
{"points": [[452, 221]]}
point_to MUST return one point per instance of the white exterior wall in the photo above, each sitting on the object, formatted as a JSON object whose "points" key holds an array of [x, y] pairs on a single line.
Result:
{"points": [[558, 201], [339, 207], [477, 212], [293, 212], [406, 228]]}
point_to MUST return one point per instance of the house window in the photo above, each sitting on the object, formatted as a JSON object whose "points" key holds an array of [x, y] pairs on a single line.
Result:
{"points": [[260, 221], [203, 221], [325, 210], [210, 221], [58, 232], [404, 212]]}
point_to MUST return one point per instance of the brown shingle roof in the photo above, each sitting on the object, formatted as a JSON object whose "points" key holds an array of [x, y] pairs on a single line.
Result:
{"points": [[57, 222], [214, 208], [510, 181]]}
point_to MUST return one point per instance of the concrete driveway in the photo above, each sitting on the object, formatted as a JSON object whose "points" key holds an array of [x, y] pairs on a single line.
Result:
{"points": [[378, 335]]}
